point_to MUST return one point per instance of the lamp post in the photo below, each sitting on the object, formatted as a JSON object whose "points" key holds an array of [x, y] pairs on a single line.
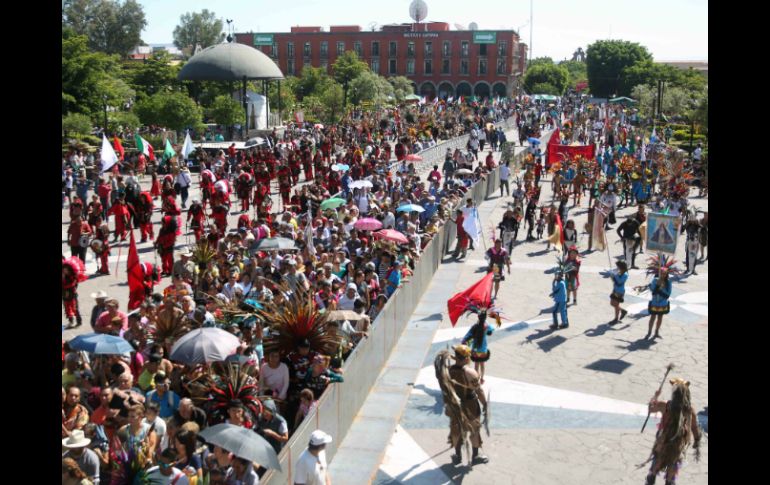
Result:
{"points": [[104, 97]]}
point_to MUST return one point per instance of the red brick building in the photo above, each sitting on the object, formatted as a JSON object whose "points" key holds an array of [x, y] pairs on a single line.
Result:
{"points": [[437, 61]]}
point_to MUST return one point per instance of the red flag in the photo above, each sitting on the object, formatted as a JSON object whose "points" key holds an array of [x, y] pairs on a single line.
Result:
{"points": [[118, 147], [555, 138], [479, 294], [152, 152], [135, 276]]}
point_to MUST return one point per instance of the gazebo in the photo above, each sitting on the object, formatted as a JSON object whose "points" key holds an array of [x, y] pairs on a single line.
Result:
{"points": [[232, 62]]}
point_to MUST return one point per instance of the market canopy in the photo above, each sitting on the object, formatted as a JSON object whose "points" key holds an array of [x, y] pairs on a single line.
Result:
{"points": [[545, 97], [229, 62], [623, 100]]}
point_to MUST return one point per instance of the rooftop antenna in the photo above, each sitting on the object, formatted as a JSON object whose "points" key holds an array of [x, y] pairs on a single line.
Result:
{"points": [[459, 27], [418, 10], [373, 26]]}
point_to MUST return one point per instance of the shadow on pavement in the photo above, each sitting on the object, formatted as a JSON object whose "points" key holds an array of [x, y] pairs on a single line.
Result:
{"points": [[614, 366], [539, 253], [641, 344], [551, 343], [430, 318], [538, 334]]}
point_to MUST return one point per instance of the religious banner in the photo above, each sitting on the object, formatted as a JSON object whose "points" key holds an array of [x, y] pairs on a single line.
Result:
{"points": [[598, 241], [507, 155], [662, 233], [571, 151]]}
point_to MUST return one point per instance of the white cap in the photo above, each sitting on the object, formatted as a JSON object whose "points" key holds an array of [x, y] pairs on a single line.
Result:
{"points": [[352, 286], [318, 437]]}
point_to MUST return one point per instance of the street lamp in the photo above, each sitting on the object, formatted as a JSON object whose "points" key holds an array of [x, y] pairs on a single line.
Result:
{"points": [[104, 97]]}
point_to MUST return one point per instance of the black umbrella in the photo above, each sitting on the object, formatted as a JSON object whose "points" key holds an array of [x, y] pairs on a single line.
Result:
{"points": [[273, 243], [243, 443]]}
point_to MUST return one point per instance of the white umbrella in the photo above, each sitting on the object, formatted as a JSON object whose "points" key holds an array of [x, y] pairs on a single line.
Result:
{"points": [[204, 345], [464, 171], [360, 184]]}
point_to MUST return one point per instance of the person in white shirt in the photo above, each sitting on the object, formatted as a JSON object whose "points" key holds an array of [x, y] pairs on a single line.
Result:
{"points": [[505, 173], [311, 467], [274, 375], [184, 181], [166, 473], [348, 300]]}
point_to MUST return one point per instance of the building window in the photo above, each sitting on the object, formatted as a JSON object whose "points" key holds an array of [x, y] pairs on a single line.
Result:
{"points": [[410, 49], [464, 49], [501, 66], [376, 66], [482, 49], [482, 66], [290, 67], [306, 51], [357, 48], [290, 49], [410, 66], [429, 49], [324, 49], [502, 46], [325, 65], [393, 49], [340, 48], [392, 66], [445, 66], [446, 50], [274, 50], [428, 67], [464, 67], [375, 49], [306, 63]]}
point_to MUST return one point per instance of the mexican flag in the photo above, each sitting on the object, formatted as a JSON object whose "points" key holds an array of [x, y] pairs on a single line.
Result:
{"points": [[144, 146]]}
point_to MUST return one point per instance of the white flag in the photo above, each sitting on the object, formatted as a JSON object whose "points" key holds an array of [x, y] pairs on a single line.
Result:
{"points": [[108, 158], [188, 147], [472, 224], [309, 231]]}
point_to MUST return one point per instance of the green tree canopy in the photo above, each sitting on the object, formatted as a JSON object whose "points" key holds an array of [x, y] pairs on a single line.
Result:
{"points": [[370, 87], [648, 72], [288, 97], [556, 76], [110, 26], [540, 60], [310, 82], [545, 88], [577, 71], [122, 120], [77, 123], [202, 28], [154, 75], [676, 101], [333, 100], [227, 111], [402, 87], [346, 68], [83, 73], [176, 111], [605, 63]]}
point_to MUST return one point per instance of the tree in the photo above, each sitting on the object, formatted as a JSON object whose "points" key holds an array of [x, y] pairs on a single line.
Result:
{"points": [[333, 100], [176, 111], [346, 68], [552, 74], [82, 73], [576, 70], [309, 83], [546, 88], [122, 121], [540, 60], [154, 75], [288, 98], [110, 26], [202, 28], [676, 101], [605, 62], [77, 123], [227, 111], [370, 87], [402, 87]]}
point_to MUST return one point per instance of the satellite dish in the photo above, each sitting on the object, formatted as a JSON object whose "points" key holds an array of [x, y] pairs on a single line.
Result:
{"points": [[473, 26], [418, 10], [459, 27]]}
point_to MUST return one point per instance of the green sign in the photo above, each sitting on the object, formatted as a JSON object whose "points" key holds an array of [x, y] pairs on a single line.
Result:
{"points": [[485, 37], [263, 39]]}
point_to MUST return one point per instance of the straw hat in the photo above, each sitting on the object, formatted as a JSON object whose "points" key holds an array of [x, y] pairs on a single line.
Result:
{"points": [[76, 440]]}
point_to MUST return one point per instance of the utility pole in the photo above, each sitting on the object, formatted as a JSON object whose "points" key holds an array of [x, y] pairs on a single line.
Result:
{"points": [[531, 24]]}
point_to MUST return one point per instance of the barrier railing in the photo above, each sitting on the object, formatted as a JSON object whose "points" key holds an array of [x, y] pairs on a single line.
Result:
{"points": [[340, 403]]}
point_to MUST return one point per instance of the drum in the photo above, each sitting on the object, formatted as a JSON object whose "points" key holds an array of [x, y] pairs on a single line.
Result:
{"points": [[85, 240], [97, 246]]}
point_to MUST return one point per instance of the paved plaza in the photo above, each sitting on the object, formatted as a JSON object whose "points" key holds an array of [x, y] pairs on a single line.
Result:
{"points": [[567, 405]]}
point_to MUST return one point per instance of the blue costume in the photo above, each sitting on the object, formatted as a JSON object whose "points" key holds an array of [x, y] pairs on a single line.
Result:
{"points": [[619, 286], [659, 305], [479, 351], [559, 295]]}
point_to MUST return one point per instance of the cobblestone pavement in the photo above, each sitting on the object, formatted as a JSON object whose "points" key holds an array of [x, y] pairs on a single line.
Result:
{"points": [[567, 405]]}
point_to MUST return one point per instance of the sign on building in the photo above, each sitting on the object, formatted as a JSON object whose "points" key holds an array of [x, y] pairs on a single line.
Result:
{"points": [[484, 37], [263, 39]]}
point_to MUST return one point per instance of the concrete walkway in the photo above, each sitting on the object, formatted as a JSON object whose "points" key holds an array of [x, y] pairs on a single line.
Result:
{"points": [[362, 450]]}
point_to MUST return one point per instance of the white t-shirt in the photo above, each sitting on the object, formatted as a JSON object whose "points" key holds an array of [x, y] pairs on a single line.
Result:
{"points": [[311, 470], [346, 303], [156, 478], [504, 172]]}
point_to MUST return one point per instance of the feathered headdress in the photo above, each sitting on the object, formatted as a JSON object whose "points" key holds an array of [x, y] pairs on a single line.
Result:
{"points": [[660, 263], [129, 464], [77, 266], [171, 325], [229, 381]]}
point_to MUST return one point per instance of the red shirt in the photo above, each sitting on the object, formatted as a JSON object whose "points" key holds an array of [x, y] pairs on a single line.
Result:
{"points": [[104, 190]]}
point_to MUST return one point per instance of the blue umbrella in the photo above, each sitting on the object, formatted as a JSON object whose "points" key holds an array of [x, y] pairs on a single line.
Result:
{"points": [[533, 141], [410, 208], [100, 343], [341, 167]]}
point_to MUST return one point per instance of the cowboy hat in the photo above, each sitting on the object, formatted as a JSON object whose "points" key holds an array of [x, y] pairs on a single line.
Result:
{"points": [[76, 440], [101, 294], [462, 351]]}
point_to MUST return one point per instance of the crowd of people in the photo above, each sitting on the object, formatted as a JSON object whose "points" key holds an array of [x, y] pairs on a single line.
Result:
{"points": [[355, 225]]}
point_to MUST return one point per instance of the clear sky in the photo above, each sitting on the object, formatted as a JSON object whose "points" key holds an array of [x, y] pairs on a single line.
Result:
{"points": [[670, 29]]}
